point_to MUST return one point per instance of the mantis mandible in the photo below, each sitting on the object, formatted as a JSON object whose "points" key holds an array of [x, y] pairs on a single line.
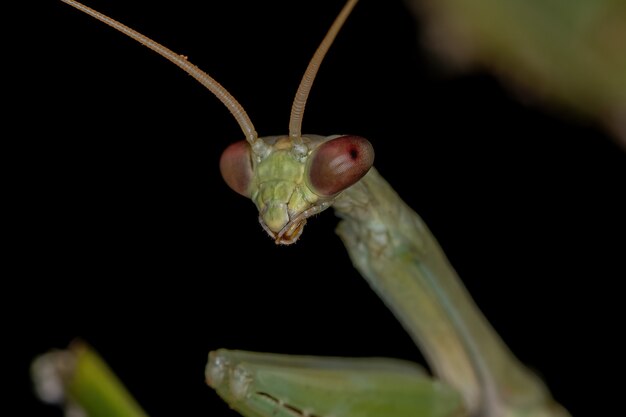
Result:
{"points": [[292, 177]]}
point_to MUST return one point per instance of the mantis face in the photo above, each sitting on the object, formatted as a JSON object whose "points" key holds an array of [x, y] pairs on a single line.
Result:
{"points": [[289, 182]]}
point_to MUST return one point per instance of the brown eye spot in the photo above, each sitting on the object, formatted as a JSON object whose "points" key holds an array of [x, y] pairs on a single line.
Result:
{"points": [[337, 164], [236, 167]]}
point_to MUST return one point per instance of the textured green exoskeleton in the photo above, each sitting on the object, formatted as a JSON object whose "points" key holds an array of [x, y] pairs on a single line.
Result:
{"points": [[290, 178], [258, 384]]}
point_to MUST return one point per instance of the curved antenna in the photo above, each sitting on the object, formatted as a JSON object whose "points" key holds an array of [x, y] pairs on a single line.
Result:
{"points": [[299, 102], [205, 79]]}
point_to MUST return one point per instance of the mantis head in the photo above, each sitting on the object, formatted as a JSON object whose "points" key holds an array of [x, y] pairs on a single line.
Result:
{"points": [[290, 177], [293, 180], [295, 176]]}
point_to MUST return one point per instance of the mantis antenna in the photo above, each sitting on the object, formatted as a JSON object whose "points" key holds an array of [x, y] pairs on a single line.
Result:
{"points": [[299, 102], [205, 79]]}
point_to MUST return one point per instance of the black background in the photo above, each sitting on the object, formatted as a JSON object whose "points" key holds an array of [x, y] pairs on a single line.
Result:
{"points": [[122, 232]]}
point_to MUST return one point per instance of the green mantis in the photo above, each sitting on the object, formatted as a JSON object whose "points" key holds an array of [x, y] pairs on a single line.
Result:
{"points": [[393, 249]]}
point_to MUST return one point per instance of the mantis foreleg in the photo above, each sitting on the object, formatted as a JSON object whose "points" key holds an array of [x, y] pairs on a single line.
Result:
{"points": [[258, 384]]}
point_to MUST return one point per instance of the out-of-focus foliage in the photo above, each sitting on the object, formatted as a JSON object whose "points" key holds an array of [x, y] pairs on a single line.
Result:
{"points": [[571, 53]]}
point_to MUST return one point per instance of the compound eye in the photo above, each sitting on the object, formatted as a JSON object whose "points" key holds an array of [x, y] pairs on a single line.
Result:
{"points": [[236, 167], [338, 163]]}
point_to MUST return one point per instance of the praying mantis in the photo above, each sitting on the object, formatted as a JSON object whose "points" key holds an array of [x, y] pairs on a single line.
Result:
{"points": [[472, 403]]}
